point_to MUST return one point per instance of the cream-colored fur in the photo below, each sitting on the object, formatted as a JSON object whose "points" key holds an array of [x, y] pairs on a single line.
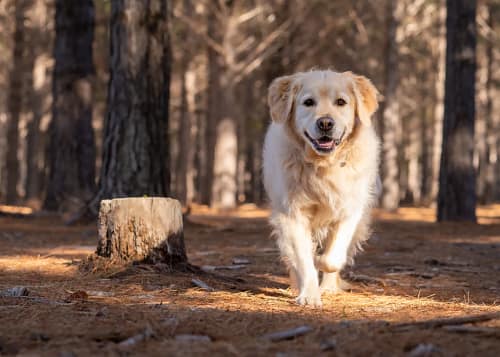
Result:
{"points": [[320, 200]]}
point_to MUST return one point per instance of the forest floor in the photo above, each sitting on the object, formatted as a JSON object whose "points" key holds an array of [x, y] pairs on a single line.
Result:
{"points": [[412, 273]]}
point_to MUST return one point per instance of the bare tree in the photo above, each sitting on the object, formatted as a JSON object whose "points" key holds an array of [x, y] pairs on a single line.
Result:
{"points": [[71, 152], [135, 148], [457, 179]]}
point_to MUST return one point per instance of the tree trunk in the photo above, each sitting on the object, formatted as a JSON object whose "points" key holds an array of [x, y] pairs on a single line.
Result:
{"points": [[15, 103], [225, 164], [186, 133], [183, 138], [439, 102], [213, 110], [200, 156], [390, 119], [457, 179], [38, 96], [141, 230], [71, 152], [135, 147], [413, 190], [491, 190]]}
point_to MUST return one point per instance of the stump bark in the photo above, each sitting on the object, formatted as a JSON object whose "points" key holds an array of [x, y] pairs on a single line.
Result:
{"points": [[143, 229]]}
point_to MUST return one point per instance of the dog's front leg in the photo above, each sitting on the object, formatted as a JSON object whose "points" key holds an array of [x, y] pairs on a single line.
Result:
{"points": [[295, 243], [335, 254]]}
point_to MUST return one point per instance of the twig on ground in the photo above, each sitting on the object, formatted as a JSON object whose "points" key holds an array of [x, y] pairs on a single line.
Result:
{"points": [[413, 273], [17, 291], [473, 329], [423, 350], [193, 338], [210, 268], [288, 334], [202, 285], [365, 279], [144, 335], [240, 261], [43, 300], [433, 323]]}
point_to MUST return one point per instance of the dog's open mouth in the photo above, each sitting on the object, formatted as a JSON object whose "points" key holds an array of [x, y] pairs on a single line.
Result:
{"points": [[324, 144]]}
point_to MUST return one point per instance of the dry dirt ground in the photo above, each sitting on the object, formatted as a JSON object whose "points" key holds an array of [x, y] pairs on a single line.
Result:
{"points": [[413, 271]]}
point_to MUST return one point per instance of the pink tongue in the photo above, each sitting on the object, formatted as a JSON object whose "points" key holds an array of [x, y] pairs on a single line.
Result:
{"points": [[326, 145]]}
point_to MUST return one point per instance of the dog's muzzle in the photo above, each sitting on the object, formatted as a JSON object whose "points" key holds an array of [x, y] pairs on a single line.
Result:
{"points": [[325, 124]]}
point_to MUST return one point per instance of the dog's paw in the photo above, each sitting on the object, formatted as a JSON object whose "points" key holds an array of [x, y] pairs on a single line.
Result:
{"points": [[310, 298], [333, 283]]}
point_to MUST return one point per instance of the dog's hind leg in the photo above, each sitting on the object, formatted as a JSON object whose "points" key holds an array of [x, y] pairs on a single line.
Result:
{"points": [[295, 243]]}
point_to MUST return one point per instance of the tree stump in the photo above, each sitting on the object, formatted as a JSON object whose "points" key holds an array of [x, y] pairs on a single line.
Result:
{"points": [[142, 229]]}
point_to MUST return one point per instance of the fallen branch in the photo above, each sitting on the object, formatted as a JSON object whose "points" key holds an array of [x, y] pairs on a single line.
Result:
{"points": [[433, 323], [288, 334], [473, 329]]}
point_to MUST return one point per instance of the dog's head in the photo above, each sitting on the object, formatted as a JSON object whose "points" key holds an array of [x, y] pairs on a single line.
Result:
{"points": [[322, 107]]}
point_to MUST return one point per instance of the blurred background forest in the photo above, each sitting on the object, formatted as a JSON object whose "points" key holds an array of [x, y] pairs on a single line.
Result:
{"points": [[66, 86]]}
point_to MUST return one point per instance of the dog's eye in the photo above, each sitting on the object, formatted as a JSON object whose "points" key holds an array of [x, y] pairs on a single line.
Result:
{"points": [[309, 102], [340, 102]]}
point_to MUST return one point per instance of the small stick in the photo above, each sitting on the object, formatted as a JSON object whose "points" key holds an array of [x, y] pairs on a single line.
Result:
{"points": [[202, 285], [288, 334], [364, 279], [44, 300], [240, 261], [433, 323], [147, 333], [193, 338], [210, 268], [473, 329]]}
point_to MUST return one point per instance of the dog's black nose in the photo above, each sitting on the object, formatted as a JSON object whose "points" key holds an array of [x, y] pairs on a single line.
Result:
{"points": [[325, 123]]}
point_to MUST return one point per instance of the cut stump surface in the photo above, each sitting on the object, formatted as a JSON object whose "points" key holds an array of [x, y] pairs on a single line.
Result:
{"points": [[142, 229]]}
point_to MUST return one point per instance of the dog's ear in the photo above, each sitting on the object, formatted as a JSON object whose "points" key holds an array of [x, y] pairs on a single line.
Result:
{"points": [[280, 97], [366, 97]]}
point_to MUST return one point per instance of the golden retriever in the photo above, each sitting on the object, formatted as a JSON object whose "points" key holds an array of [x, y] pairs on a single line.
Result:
{"points": [[320, 171]]}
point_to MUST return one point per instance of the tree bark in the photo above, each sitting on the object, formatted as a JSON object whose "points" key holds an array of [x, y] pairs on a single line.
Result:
{"points": [[146, 230], [136, 146], [491, 167], [184, 167], [225, 164], [38, 96], [15, 103], [71, 152], [213, 110], [457, 179], [185, 157], [390, 120], [439, 101]]}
